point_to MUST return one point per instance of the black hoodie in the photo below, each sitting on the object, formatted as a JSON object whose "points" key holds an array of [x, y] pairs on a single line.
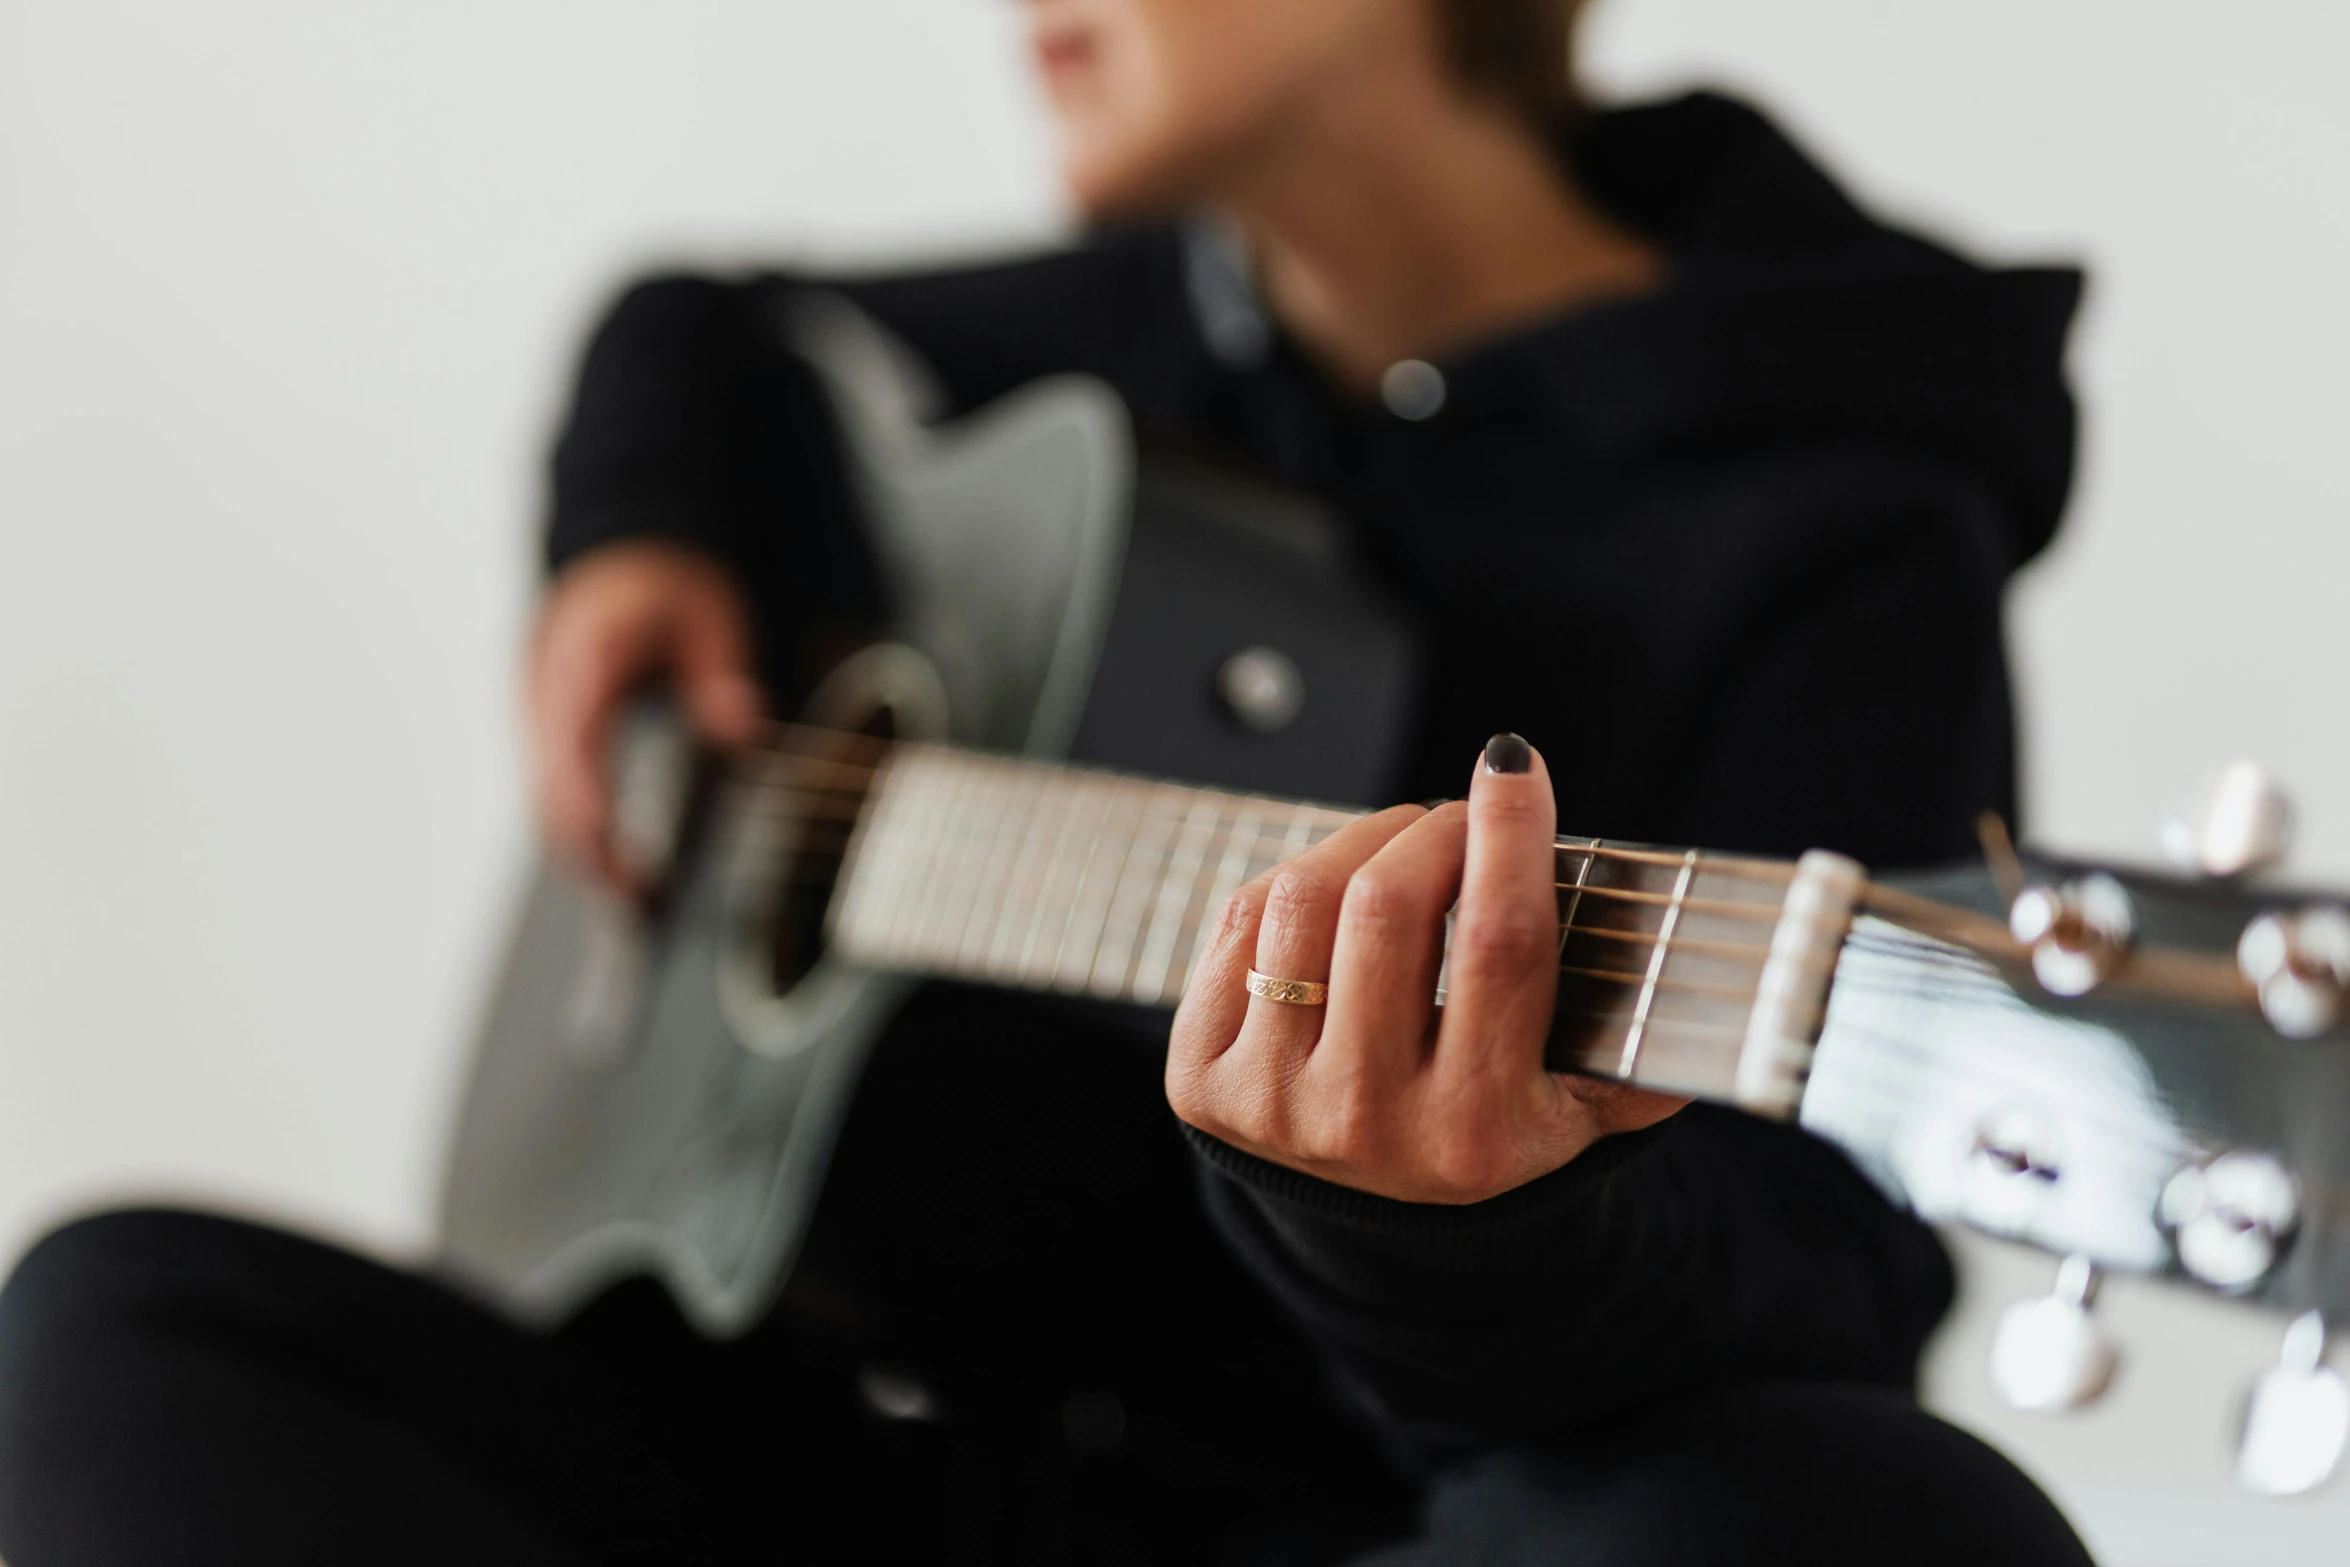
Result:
{"points": [[1732, 554]]}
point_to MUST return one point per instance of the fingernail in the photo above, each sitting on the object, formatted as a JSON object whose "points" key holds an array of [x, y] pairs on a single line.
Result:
{"points": [[1430, 805], [1508, 753]]}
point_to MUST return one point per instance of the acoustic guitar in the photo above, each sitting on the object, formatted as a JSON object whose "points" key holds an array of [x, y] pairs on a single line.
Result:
{"points": [[2142, 1072]]}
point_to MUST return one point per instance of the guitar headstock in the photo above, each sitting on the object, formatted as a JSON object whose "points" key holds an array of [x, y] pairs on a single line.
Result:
{"points": [[2145, 1072]]}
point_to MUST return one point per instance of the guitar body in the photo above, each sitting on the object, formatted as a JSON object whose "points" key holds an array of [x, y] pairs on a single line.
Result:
{"points": [[657, 1090], [2144, 1073]]}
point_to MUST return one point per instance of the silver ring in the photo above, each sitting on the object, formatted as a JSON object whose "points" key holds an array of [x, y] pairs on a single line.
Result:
{"points": [[1295, 992]]}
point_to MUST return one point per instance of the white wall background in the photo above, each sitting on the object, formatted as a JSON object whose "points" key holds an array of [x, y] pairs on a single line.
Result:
{"points": [[286, 295]]}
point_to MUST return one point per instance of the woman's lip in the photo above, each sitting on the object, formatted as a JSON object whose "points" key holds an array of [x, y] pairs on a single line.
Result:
{"points": [[1063, 53]]}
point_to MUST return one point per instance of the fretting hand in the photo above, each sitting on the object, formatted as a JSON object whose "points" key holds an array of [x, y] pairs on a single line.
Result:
{"points": [[1375, 1088], [614, 618]]}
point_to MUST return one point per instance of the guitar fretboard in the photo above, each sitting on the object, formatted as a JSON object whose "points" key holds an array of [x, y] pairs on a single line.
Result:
{"points": [[987, 869], [1700, 973]]}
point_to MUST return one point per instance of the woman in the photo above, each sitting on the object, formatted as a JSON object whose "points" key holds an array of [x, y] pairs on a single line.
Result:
{"points": [[1628, 405]]}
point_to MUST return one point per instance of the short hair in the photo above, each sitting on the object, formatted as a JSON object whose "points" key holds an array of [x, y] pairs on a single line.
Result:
{"points": [[1519, 51]]}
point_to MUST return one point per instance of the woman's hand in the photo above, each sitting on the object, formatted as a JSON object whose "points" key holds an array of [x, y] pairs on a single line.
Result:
{"points": [[613, 619], [1378, 1090]]}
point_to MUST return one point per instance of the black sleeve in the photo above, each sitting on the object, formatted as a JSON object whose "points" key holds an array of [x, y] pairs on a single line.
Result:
{"points": [[1711, 1249], [692, 421], [1842, 686]]}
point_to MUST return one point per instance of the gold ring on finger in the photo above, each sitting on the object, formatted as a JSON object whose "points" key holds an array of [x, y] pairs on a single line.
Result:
{"points": [[1295, 992]]}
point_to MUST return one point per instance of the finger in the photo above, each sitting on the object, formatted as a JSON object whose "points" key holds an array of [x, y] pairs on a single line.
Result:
{"points": [[713, 670], [1215, 999], [1390, 944], [1503, 976], [1300, 925], [1214, 1006]]}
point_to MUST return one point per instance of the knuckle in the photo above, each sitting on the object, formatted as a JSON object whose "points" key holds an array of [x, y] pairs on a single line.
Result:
{"points": [[1464, 1169], [1299, 902], [1354, 1128], [1236, 921], [1515, 807], [1503, 944], [1379, 901], [1187, 1088]]}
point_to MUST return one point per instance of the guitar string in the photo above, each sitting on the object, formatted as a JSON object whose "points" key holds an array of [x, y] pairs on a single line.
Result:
{"points": [[1880, 1091], [1724, 865], [1855, 1076], [1759, 910], [1977, 933], [853, 807]]}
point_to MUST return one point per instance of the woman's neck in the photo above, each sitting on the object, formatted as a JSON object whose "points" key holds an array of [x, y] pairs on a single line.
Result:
{"points": [[1403, 221]]}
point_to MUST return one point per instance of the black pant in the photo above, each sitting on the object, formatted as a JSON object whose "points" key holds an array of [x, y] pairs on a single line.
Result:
{"points": [[183, 1389]]}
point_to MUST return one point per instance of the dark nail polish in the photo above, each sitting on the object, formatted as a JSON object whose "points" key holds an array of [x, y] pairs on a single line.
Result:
{"points": [[1508, 753], [1430, 805]]}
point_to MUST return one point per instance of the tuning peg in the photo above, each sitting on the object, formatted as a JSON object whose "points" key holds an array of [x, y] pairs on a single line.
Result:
{"points": [[2077, 933], [2301, 962], [2296, 1418], [2232, 1219], [2049, 1355], [2240, 821]]}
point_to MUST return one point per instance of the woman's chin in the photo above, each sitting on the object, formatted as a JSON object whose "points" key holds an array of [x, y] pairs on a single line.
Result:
{"points": [[1121, 186]]}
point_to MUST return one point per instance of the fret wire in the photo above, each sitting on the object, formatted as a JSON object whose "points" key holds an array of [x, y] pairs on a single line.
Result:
{"points": [[1232, 869], [1048, 829], [1575, 903], [983, 904], [1656, 967], [1015, 810], [928, 798], [1196, 895], [948, 789], [1091, 912], [968, 857], [836, 765], [1174, 899], [1136, 878], [1106, 802], [933, 943], [865, 871], [1083, 807], [1012, 802], [978, 841], [1016, 885], [908, 834], [1296, 843]]}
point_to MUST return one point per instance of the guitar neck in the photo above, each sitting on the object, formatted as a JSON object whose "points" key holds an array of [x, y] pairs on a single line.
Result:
{"points": [[1678, 970]]}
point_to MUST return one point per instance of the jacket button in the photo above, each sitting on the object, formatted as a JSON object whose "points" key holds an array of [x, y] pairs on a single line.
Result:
{"points": [[1412, 389]]}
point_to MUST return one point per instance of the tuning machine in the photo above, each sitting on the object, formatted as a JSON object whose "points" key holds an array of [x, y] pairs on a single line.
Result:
{"points": [[2078, 932], [2301, 963], [2050, 1355], [2296, 1417], [2239, 822], [2232, 1219]]}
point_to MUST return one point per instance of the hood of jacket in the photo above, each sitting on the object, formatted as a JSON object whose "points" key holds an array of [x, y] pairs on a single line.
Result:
{"points": [[1792, 316]]}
